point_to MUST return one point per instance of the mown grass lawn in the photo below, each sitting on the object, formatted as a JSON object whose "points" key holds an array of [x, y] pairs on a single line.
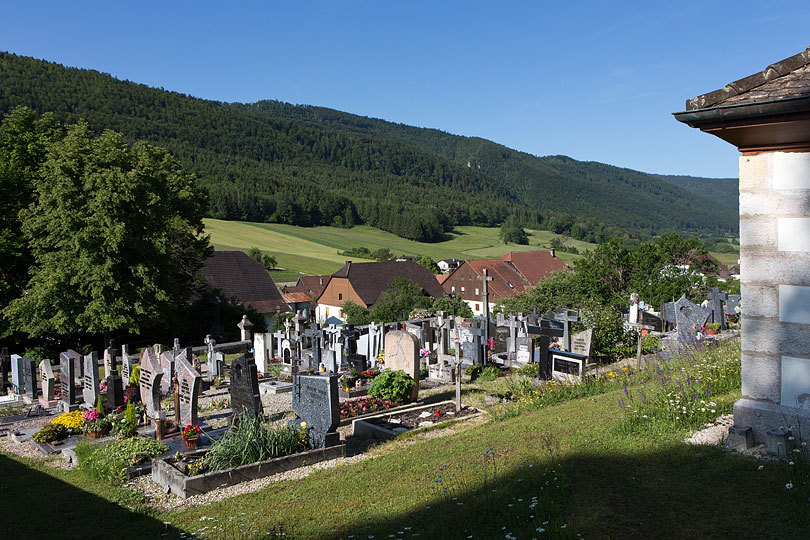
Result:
{"points": [[568, 469]]}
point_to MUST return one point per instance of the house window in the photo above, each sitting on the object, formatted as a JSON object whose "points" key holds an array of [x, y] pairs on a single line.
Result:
{"points": [[340, 296], [453, 289], [477, 307], [326, 312], [340, 314], [476, 291], [462, 290]]}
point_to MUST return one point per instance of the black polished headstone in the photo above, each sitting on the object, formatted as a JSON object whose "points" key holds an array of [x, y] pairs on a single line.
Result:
{"points": [[30, 377], [115, 385], [315, 401], [244, 387]]}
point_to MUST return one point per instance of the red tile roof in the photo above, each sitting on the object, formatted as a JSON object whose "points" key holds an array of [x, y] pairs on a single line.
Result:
{"points": [[244, 280], [506, 281], [534, 265], [296, 297], [314, 285]]}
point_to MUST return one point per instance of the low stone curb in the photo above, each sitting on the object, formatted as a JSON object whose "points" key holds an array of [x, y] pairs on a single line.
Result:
{"points": [[173, 481], [347, 421], [361, 428]]}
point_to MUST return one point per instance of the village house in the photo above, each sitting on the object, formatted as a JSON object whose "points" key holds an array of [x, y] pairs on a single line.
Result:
{"points": [[513, 273], [448, 265], [365, 283], [245, 282]]}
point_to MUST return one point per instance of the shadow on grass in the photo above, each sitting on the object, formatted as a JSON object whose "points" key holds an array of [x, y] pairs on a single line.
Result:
{"points": [[679, 492], [38, 505]]}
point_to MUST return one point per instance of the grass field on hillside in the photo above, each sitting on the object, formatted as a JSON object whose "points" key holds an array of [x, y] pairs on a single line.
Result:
{"points": [[314, 250]]}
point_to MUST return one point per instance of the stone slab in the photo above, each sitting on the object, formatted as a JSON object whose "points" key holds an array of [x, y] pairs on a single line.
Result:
{"points": [[275, 387]]}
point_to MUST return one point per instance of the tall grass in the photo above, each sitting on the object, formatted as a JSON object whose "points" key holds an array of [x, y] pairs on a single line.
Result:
{"points": [[251, 440]]}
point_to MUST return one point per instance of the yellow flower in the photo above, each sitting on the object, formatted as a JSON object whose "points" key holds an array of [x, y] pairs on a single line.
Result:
{"points": [[303, 425]]}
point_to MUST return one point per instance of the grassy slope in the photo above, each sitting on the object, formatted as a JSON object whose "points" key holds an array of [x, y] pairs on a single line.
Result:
{"points": [[313, 250]]}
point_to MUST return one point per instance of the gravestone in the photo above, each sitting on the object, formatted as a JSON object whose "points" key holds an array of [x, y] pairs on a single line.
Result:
{"points": [[402, 352], [90, 381], [633, 315], [581, 342], [190, 382], [244, 387], [357, 362], [329, 361], [211, 358], [315, 401], [17, 381], [567, 366], [733, 304], [689, 316], [47, 380], [126, 365], [219, 359], [115, 387], [716, 299], [5, 368], [67, 377], [525, 350], [260, 352], [245, 327], [30, 379], [167, 366], [108, 363], [151, 375]]}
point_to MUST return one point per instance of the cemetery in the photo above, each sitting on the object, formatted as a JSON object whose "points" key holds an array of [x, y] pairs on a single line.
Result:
{"points": [[582, 405]]}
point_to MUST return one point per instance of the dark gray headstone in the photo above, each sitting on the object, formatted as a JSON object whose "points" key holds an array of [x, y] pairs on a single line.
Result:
{"points": [[190, 382], [67, 377], [716, 299], [5, 367], [167, 366], [46, 379], [668, 312], [90, 383], [732, 304], [244, 387], [115, 386], [151, 375], [212, 357], [30, 378], [315, 401], [689, 316]]}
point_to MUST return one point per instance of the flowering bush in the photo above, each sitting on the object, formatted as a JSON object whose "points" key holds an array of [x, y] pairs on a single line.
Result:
{"points": [[70, 420], [369, 373], [191, 433], [356, 407], [50, 432]]}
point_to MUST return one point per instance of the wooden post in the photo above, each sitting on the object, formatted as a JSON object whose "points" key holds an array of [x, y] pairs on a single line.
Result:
{"points": [[159, 428]]}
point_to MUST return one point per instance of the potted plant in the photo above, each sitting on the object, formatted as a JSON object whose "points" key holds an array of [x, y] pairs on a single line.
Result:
{"points": [[96, 425], [191, 434], [711, 328]]}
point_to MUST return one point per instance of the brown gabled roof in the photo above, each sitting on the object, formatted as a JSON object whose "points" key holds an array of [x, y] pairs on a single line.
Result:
{"points": [[314, 285], [244, 280], [534, 265], [370, 280], [441, 278], [506, 281], [786, 79], [296, 297]]}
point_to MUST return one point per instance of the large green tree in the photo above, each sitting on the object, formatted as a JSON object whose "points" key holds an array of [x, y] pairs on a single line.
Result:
{"points": [[115, 232]]}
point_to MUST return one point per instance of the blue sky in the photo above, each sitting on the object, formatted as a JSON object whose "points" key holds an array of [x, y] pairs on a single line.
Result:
{"points": [[597, 81]]}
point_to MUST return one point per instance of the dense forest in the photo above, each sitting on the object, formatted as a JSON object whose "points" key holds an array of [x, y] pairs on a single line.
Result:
{"points": [[303, 165]]}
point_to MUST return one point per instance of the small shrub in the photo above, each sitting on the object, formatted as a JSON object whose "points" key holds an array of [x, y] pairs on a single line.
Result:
{"points": [[71, 420], [109, 463], [393, 386], [473, 371], [50, 432], [490, 373]]}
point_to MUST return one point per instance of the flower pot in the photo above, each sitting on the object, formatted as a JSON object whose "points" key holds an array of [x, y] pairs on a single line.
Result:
{"points": [[191, 444], [96, 434], [710, 332]]}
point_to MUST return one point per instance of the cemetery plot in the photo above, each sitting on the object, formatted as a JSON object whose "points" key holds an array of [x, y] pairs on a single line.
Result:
{"points": [[567, 366], [392, 423]]}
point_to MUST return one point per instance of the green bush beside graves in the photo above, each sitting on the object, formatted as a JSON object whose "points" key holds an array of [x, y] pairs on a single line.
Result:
{"points": [[391, 385]]}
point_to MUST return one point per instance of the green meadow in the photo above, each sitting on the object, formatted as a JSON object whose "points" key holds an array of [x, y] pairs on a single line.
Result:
{"points": [[314, 250]]}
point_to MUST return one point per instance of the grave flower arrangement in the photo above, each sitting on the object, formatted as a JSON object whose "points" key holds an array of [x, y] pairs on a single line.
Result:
{"points": [[95, 422], [381, 357], [369, 373], [363, 405], [191, 433]]}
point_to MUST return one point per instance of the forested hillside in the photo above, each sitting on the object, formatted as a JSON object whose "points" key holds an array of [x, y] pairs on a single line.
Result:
{"points": [[304, 165], [723, 191]]}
